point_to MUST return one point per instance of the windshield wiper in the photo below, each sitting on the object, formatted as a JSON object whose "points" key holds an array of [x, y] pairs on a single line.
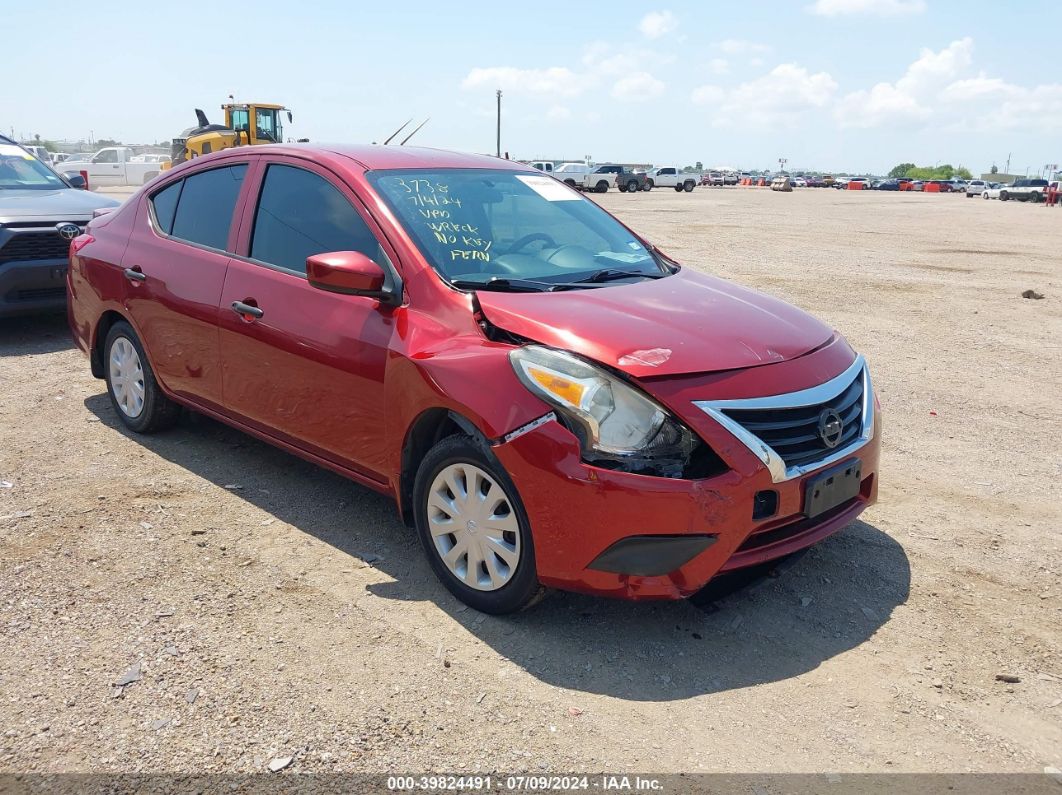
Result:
{"points": [[613, 274], [504, 285]]}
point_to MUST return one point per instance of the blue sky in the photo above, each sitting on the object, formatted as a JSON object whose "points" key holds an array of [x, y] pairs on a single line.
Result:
{"points": [[845, 85]]}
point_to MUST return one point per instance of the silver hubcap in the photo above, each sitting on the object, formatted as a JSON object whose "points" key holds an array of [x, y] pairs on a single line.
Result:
{"points": [[474, 527], [127, 378]]}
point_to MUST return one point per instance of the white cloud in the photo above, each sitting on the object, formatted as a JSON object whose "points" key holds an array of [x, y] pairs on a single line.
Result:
{"points": [[778, 96], [657, 23], [913, 96], [741, 47], [990, 103], [707, 95], [558, 113], [637, 87], [719, 66], [558, 80], [884, 103], [878, 8]]}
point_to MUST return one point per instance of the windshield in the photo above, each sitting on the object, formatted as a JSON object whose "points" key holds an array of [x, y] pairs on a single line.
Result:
{"points": [[21, 170], [474, 225], [267, 122]]}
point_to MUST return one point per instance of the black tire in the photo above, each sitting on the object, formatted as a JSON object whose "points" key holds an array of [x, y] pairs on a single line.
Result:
{"points": [[649, 184], [969, 195], [632, 186], [622, 188], [1004, 196], [602, 187], [158, 412], [678, 188], [688, 186], [1036, 197], [523, 588]]}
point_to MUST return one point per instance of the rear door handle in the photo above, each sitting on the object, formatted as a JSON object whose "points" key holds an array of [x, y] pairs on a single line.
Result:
{"points": [[246, 310], [135, 274]]}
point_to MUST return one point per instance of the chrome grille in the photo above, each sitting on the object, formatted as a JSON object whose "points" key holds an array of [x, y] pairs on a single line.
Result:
{"points": [[794, 432], [783, 430]]}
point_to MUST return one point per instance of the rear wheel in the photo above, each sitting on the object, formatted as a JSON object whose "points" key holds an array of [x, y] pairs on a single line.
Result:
{"points": [[649, 184], [602, 187], [688, 186], [1004, 196], [632, 186], [473, 527], [135, 394]]}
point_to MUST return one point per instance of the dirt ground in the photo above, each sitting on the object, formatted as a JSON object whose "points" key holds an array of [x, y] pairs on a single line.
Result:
{"points": [[260, 608]]}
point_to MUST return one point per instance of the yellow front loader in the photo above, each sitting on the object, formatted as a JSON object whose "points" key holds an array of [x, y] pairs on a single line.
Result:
{"points": [[247, 124]]}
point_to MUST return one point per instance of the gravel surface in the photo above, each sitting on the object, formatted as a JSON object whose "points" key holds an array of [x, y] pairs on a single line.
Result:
{"points": [[198, 601]]}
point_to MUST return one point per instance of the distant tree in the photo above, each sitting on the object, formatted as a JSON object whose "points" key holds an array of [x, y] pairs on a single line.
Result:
{"points": [[901, 170], [994, 169], [963, 172], [105, 142]]}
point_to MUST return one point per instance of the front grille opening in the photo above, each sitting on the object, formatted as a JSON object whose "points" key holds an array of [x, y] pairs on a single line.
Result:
{"points": [[39, 294], [30, 246], [793, 432]]}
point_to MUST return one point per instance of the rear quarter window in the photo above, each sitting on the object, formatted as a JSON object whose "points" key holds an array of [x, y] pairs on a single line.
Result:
{"points": [[164, 205], [206, 204]]}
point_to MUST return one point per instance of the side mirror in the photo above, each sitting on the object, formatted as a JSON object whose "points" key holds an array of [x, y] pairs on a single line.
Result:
{"points": [[76, 181], [349, 273]]}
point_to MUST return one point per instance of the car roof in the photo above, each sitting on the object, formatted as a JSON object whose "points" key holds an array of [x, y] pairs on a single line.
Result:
{"points": [[373, 157]]}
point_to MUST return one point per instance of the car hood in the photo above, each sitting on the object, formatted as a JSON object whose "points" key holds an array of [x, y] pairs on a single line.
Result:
{"points": [[61, 204], [685, 323]]}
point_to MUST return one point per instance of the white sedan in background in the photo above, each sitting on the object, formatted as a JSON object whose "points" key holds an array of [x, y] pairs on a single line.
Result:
{"points": [[992, 190]]}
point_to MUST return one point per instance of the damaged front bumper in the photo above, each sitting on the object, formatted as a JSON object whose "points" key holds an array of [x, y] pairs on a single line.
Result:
{"points": [[619, 534]]}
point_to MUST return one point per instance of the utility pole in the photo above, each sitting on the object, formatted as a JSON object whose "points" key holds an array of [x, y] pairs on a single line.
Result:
{"points": [[498, 152], [1007, 169]]}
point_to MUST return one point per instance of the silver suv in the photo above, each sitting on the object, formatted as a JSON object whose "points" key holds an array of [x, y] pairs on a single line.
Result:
{"points": [[40, 213]]}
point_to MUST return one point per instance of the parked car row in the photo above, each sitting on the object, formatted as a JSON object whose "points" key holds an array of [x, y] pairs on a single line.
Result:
{"points": [[598, 179]]}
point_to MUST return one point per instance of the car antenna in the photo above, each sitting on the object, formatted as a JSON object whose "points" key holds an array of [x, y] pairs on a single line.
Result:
{"points": [[415, 131], [396, 132]]}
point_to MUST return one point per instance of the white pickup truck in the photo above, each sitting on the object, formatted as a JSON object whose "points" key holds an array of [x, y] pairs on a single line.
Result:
{"points": [[580, 176], [671, 177], [114, 166]]}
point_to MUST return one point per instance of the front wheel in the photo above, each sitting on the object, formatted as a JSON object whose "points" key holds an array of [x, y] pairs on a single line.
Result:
{"points": [[1004, 196], [473, 527], [649, 184], [632, 186], [602, 187], [135, 394], [678, 188]]}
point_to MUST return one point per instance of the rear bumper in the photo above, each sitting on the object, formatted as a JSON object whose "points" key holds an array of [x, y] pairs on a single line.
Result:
{"points": [[578, 512], [28, 287]]}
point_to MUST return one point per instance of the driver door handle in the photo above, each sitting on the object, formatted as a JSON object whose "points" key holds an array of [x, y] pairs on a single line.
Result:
{"points": [[246, 310], [134, 274]]}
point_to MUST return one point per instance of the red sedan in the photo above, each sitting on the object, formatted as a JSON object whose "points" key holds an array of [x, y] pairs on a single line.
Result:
{"points": [[550, 400]]}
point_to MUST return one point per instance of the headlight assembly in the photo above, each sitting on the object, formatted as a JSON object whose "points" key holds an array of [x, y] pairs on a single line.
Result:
{"points": [[617, 425]]}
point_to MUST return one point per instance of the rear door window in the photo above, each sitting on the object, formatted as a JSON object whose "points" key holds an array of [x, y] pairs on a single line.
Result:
{"points": [[301, 214], [207, 201]]}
